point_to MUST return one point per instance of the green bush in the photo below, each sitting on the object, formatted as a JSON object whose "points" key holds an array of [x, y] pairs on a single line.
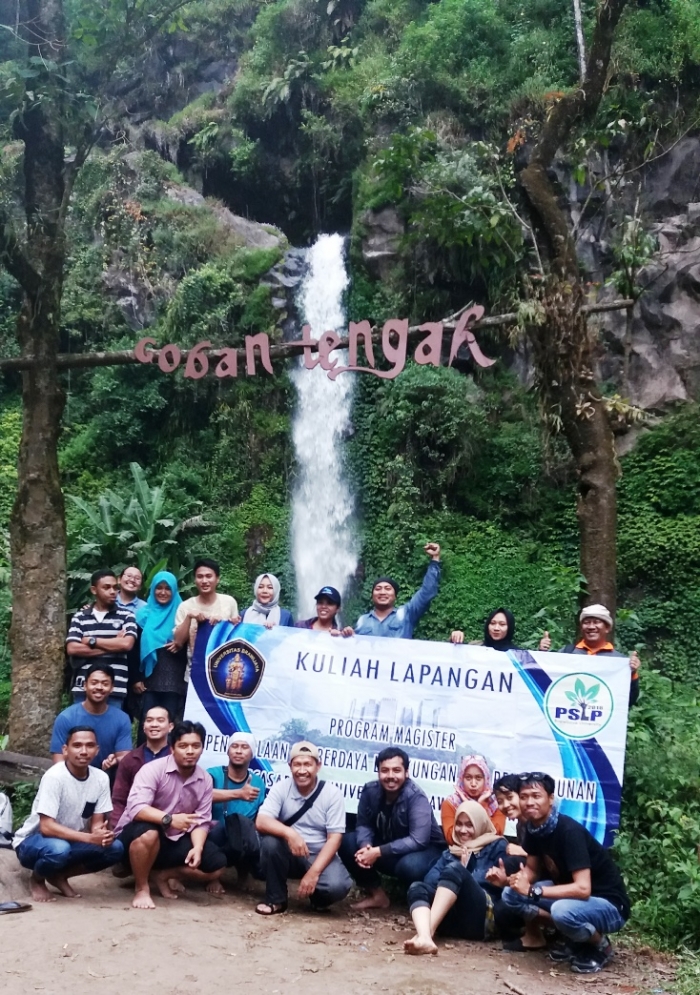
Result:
{"points": [[660, 828]]}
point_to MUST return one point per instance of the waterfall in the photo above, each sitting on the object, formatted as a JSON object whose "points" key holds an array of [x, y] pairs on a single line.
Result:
{"points": [[324, 546]]}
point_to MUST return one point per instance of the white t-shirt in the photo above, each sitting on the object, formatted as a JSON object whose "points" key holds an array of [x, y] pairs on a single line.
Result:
{"points": [[69, 800], [326, 815], [224, 608]]}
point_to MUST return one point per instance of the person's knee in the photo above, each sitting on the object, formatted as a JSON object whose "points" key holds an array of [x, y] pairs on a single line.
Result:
{"points": [[418, 892], [272, 844], [452, 876], [145, 842], [348, 845], [511, 898], [569, 917], [115, 851], [53, 854]]}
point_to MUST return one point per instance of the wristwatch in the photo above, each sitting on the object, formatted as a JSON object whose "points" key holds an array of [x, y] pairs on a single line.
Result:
{"points": [[167, 819], [92, 642], [535, 892]]}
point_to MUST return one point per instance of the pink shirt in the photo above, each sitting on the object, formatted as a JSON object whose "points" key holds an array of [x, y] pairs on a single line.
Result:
{"points": [[161, 785]]}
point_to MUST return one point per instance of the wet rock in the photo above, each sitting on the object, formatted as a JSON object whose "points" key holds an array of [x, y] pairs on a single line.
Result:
{"points": [[380, 245]]}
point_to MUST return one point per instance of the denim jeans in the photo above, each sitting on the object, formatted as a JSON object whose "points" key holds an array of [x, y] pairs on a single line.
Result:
{"points": [[407, 868], [46, 855], [576, 919]]}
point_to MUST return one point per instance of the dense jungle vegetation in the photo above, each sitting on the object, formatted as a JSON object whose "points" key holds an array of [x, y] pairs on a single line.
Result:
{"points": [[328, 110]]}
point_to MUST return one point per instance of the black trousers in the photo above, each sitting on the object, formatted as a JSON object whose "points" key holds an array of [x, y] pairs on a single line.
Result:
{"points": [[279, 865], [467, 916]]}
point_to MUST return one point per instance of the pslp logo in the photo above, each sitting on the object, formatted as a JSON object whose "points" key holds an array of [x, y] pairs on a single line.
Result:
{"points": [[578, 706], [235, 670]]}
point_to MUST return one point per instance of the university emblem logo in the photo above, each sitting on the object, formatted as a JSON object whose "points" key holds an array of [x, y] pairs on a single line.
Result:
{"points": [[235, 670]]}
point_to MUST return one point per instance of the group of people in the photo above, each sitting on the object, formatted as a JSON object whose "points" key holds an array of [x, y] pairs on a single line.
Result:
{"points": [[148, 644], [155, 813], [169, 822]]}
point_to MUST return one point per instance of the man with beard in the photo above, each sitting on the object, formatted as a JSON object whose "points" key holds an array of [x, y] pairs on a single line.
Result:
{"points": [[396, 831]]}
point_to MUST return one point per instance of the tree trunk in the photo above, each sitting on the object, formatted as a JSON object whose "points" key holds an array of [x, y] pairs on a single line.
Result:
{"points": [[38, 552], [563, 346], [37, 529]]}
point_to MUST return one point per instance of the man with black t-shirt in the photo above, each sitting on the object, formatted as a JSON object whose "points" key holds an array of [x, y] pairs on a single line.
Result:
{"points": [[568, 877]]}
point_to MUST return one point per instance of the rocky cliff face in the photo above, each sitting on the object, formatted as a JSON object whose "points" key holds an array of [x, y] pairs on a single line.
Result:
{"points": [[653, 360]]}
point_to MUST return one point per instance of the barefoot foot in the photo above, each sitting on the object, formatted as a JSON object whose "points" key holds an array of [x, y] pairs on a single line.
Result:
{"points": [[216, 889], [375, 900], [61, 884], [175, 885], [418, 946], [40, 893], [142, 900], [161, 881]]}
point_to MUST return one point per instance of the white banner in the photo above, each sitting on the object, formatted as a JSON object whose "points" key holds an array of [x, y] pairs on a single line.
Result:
{"points": [[563, 714]]}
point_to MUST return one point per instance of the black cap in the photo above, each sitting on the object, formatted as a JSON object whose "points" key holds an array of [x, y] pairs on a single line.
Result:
{"points": [[387, 580], [331, 593]]}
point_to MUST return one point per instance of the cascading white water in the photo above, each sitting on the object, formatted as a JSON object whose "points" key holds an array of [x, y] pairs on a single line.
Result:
{"points": [[323, 541]]}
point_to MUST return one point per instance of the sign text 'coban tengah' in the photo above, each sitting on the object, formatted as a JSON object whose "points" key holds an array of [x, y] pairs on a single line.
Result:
{"points": [[223, 362]]}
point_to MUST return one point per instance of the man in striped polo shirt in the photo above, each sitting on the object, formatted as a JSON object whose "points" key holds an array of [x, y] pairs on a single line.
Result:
{"points": [[103, 633]]}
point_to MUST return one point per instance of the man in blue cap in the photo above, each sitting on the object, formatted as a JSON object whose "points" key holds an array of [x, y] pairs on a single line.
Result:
{"points": [[385, 619]]}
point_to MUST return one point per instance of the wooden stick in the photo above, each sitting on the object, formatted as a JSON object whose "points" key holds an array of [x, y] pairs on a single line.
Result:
{"points": [[518, 991], [281, 350]]}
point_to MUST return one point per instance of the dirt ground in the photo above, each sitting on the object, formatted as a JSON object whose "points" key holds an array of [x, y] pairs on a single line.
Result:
{"points": [[98, 943]]}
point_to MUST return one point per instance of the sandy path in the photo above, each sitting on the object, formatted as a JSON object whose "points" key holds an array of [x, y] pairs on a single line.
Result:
{"points": [[99, 944]]}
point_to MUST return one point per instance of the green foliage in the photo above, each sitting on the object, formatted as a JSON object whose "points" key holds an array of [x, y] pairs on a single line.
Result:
{"points": [[21, 795], [135, 528], [661, 812], [659, 541]]}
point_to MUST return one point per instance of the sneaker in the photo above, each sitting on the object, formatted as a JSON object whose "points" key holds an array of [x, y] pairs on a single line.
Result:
{"points": [[564, 952], [593, 959]]}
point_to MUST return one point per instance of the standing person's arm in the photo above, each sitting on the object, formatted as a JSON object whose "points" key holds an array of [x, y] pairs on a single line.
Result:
{"points": [[61, 726], [75, 644], [420, 602], [183, 621]]}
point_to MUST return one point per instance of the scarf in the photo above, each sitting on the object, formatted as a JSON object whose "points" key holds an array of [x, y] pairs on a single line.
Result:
{"points": [[507, 642], [460, 795], [259, 614], [484, 829], [157, 622], [547, 827]]}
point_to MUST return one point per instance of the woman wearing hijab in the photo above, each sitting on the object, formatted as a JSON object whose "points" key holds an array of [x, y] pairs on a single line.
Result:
{"points": [[266, 609], [499, 629], [162, 663], [455, 893], [473, 784]]}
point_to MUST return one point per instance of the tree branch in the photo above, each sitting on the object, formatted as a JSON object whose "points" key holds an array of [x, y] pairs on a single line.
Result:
{"points": [[577, 105], [282, 350], [14, 260]]}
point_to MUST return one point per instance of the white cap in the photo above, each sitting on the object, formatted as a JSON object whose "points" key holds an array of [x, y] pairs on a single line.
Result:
{"points": [[244, 737], [596, 611]]}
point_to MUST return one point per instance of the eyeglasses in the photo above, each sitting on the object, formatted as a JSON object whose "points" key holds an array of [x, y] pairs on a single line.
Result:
{"points": [[533, 775]]}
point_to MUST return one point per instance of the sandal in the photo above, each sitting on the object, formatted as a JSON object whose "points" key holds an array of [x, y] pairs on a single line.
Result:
{"points": [[516, 947], [8, 907], [272, 910]]}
